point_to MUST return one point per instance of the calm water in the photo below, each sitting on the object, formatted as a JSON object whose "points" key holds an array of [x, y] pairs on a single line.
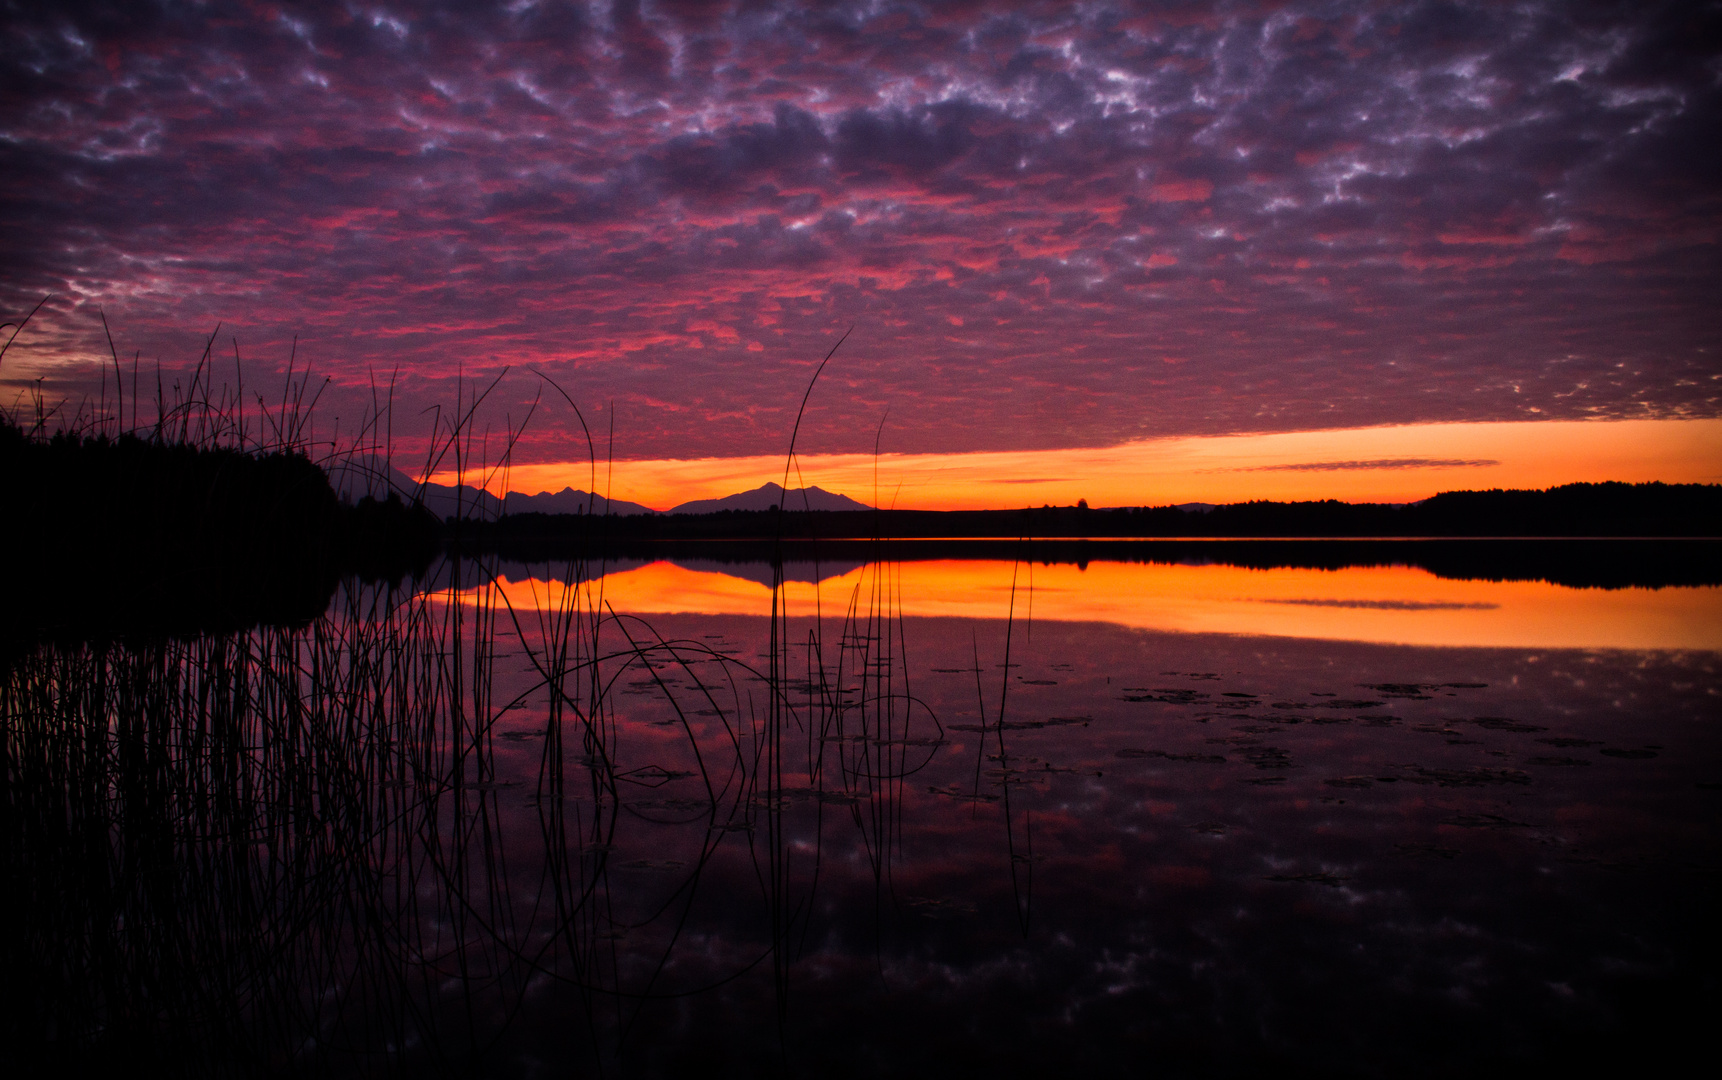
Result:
{"points": [[971, 818]]}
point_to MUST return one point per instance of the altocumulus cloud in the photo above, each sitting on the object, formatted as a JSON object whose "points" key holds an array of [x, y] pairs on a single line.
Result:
{"points": [[1379, 463], [1052, 225]]}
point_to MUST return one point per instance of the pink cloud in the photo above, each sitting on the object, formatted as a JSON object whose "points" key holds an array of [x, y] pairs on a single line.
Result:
{"points": [[1020, 210], [1182, 191]]}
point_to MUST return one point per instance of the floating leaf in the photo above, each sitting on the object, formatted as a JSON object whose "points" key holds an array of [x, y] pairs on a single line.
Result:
{"points": [[1427, 851], [1319, 877], [1502, 723], [1484, 821], [1476, 777], [1204, 759]]}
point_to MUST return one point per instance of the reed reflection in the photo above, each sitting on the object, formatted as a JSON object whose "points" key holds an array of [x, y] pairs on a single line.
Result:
{"points": [[582, 820]]}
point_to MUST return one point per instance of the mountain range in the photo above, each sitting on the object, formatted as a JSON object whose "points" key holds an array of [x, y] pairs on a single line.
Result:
{"points": [[354, 478]]}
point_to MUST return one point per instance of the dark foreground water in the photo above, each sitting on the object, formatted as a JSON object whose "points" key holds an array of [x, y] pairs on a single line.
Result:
{"points": [[892, 838]]}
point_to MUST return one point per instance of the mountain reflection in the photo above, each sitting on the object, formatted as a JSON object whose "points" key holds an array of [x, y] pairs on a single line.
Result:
{"points": [[1385, 604]]}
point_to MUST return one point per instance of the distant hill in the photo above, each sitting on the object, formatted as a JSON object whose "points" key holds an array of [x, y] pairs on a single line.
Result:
{"points": [[1573, 510], [770, 495], [354, 478], [570, 501], [1593, 510]]}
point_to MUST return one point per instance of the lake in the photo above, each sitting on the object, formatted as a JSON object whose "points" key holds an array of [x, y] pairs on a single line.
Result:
{"points": [[938, 816]]}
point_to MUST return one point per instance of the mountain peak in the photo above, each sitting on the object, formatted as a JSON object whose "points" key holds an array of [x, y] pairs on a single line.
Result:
{"points": [[770, 494]]}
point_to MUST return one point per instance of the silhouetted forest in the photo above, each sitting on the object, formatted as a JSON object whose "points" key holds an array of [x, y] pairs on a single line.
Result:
{"points": [[1589, 510], [109, 535]]}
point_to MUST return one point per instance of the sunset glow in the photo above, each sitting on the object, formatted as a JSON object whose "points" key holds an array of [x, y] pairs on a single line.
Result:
{"points": [[1388, 464]]}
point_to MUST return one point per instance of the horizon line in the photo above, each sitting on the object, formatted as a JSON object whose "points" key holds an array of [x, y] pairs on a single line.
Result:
{"points": [[1379, 464]]}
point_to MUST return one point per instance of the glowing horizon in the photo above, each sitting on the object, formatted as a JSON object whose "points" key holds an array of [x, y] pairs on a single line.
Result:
{"points": [[1394, 464]]}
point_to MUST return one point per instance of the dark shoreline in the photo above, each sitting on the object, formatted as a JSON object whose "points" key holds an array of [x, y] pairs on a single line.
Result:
{"points": [[1611, 563], [1579, 511], [1608, 535], [140, 537]]}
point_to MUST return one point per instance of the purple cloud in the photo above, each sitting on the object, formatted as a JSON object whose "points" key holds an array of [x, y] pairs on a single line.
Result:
{"points": [[1051, 225]]}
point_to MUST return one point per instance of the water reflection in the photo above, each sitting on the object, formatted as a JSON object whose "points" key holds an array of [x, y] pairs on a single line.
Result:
{"points": [[1386, 604], [644, 822]]}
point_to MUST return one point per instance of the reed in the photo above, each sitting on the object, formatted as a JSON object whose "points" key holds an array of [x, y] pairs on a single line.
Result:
{"points": [[295, 847], [204, 515]]}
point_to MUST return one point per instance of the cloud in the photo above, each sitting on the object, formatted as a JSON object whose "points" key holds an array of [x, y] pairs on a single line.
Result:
{"points": [[1333, 216], [1391, 605], [1380, 463]]}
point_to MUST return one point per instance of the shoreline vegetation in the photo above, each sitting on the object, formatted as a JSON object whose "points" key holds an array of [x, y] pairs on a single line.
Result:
{"points": [[1577, 563], [121, 535], [1650, 510]]}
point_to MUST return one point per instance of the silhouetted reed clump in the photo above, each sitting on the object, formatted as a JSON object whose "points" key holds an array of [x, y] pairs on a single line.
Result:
{"points": [[284, 840], [192, 512], [128, 534]]}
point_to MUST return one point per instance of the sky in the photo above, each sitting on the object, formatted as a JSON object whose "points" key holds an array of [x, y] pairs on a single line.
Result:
{"points": [[1100, 236]]}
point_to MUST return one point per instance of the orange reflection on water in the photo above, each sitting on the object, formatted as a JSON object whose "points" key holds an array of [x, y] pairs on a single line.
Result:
{"points": [[1393, 604]]}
